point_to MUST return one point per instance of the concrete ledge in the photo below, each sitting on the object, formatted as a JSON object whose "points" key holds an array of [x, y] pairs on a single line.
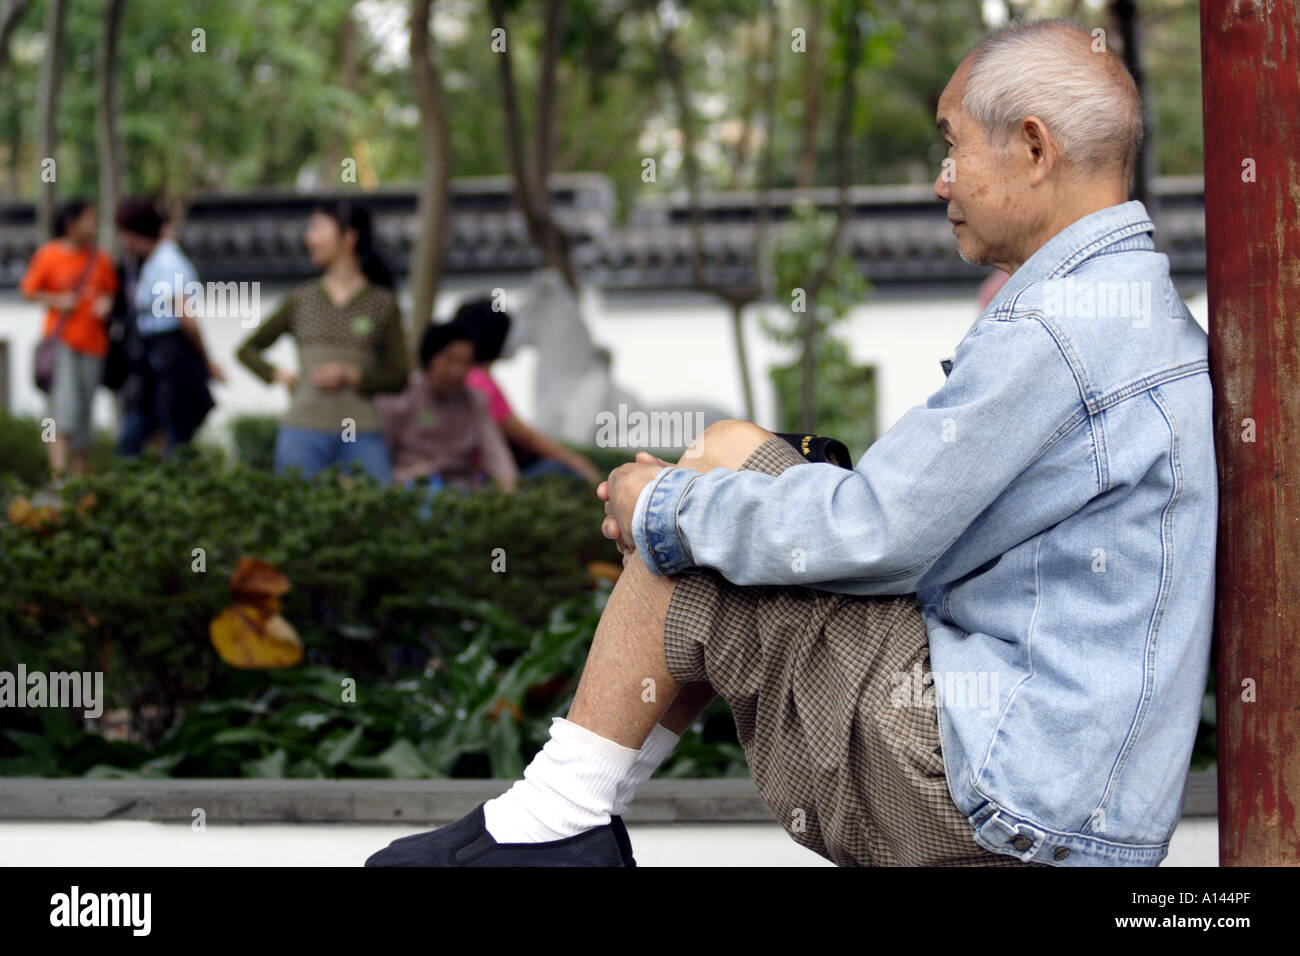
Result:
{"points": [[718, 800]]}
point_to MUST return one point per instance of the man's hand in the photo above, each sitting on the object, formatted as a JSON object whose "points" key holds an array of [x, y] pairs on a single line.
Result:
{"points": [[620, 492]]}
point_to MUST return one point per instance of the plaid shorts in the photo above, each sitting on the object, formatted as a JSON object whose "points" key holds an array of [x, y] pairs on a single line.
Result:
{"points": [[809, 677]]}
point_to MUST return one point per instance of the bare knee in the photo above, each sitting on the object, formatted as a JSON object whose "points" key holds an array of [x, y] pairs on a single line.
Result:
{"points": [[724, 444], [648, 593]]}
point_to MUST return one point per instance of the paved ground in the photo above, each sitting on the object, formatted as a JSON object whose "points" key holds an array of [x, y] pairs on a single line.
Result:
{"points": [[142, 843]]}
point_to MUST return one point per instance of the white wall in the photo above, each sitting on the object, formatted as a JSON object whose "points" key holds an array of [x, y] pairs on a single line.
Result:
{"points": [[663, 351]]}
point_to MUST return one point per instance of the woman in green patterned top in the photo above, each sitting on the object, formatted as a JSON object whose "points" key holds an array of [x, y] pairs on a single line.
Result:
{"points": [[351, 346]]}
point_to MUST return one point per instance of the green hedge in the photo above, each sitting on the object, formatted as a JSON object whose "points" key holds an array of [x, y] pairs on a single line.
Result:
{"points": [[370, 576], [25, 457], [471, 715]]}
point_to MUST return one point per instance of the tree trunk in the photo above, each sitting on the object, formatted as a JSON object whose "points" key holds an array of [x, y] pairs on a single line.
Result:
{"points": [[530, 180], [843, 126], [435, 179], [812, 99], [108, 140], [742, 355], [1126, 16], [736, 299], [746, 114], [47, 111], [10, 13], [14, 144], [339, 143]]}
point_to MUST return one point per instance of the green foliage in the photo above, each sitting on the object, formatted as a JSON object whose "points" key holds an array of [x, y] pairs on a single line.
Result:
{"points": [[483, 711], [254, 440], [844, 393], [25, 457], [372, 579], [844, 397], [287, 90]]}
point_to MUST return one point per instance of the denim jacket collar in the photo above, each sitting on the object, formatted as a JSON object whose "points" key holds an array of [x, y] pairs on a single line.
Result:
{"points": [[1127, 223]]}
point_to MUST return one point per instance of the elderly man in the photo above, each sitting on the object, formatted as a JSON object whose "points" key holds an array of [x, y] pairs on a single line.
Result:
{"points": [[987, 643]]}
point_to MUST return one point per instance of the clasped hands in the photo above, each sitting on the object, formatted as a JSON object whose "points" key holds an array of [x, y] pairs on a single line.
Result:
{"points": [[328, 376], [620, 492]]}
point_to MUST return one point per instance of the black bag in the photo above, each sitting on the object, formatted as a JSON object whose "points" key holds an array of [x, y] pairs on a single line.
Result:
{"points": [[179, 387], [819, 448], [123, 339]]}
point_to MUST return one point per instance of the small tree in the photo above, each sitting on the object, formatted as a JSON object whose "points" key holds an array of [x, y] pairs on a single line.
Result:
{"points": [[108, 111], [56, 12], [829, 395], [435, 176]]}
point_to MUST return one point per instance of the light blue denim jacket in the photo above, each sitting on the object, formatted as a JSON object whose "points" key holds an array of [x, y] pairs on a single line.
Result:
{"points": [[1053, 506]]}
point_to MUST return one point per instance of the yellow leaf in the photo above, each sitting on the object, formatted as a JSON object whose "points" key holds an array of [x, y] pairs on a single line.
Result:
{"points": [[20, 510], [248, 638]]}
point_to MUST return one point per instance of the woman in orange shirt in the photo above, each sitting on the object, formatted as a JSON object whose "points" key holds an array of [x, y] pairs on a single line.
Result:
{"points": [[69, 275]]}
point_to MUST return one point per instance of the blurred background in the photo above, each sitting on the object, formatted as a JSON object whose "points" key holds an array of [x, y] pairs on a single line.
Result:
{"points": [[683, 172]]}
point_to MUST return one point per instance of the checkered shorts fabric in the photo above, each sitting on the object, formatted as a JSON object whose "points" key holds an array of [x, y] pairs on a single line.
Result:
{"points": [[809, 678]]}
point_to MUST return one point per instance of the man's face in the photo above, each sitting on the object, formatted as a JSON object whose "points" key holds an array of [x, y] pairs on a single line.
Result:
{"points": [[982, 184]]}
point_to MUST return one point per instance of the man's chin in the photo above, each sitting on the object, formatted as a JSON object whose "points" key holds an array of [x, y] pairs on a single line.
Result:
{"points": [[973, 259]]}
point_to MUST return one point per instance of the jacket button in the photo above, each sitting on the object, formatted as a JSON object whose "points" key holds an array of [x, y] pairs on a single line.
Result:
{"points": [[1022, 842], [1061, 853]]}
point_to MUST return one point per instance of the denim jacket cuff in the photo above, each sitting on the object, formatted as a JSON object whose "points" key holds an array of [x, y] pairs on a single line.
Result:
{"points": [[654, 522]]}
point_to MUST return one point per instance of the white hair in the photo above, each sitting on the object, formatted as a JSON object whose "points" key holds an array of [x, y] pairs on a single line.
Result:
{"points": [[1052, 69]]}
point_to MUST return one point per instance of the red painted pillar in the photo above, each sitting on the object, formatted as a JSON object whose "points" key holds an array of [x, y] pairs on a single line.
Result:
{"points": [[1250, 55]]}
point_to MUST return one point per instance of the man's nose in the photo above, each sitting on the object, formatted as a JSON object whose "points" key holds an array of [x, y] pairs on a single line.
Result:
{"points": [[941, 187]]}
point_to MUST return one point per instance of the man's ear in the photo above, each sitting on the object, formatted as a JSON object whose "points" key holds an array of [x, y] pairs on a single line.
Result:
{"points": [[1040, 149]]}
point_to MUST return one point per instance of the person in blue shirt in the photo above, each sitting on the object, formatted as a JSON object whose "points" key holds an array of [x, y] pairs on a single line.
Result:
{"points": [[985, 644], [173, 366]]}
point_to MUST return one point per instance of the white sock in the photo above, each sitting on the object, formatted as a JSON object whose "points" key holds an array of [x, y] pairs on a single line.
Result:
{"points": [[656, 748], [569, 787]]}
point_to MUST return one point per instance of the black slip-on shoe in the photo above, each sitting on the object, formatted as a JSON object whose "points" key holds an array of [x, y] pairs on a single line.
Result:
{"points": [[468, 843]]}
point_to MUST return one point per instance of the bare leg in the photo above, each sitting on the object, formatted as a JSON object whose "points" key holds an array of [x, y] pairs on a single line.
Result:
{"points": [[687, 706], [625, 687], [58, 456]]}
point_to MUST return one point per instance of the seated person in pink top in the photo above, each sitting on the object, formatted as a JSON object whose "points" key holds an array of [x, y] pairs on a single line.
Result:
{"points": [[437, 428], [535, 453]]}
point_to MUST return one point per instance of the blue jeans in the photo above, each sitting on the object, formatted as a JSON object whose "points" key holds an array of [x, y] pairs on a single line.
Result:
{"points": [[311, 451], [170, 395], [548, 466], [137, 425], [431, 491]]}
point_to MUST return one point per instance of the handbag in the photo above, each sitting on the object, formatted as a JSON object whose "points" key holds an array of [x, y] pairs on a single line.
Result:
{"points": [[47, 348], [819, 448], [123, 341]]}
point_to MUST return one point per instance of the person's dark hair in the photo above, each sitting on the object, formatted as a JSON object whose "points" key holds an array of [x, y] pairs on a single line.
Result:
{"points": [[438, 336], [69, 210], [141, 216], [487, 327], [349, 215]]}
